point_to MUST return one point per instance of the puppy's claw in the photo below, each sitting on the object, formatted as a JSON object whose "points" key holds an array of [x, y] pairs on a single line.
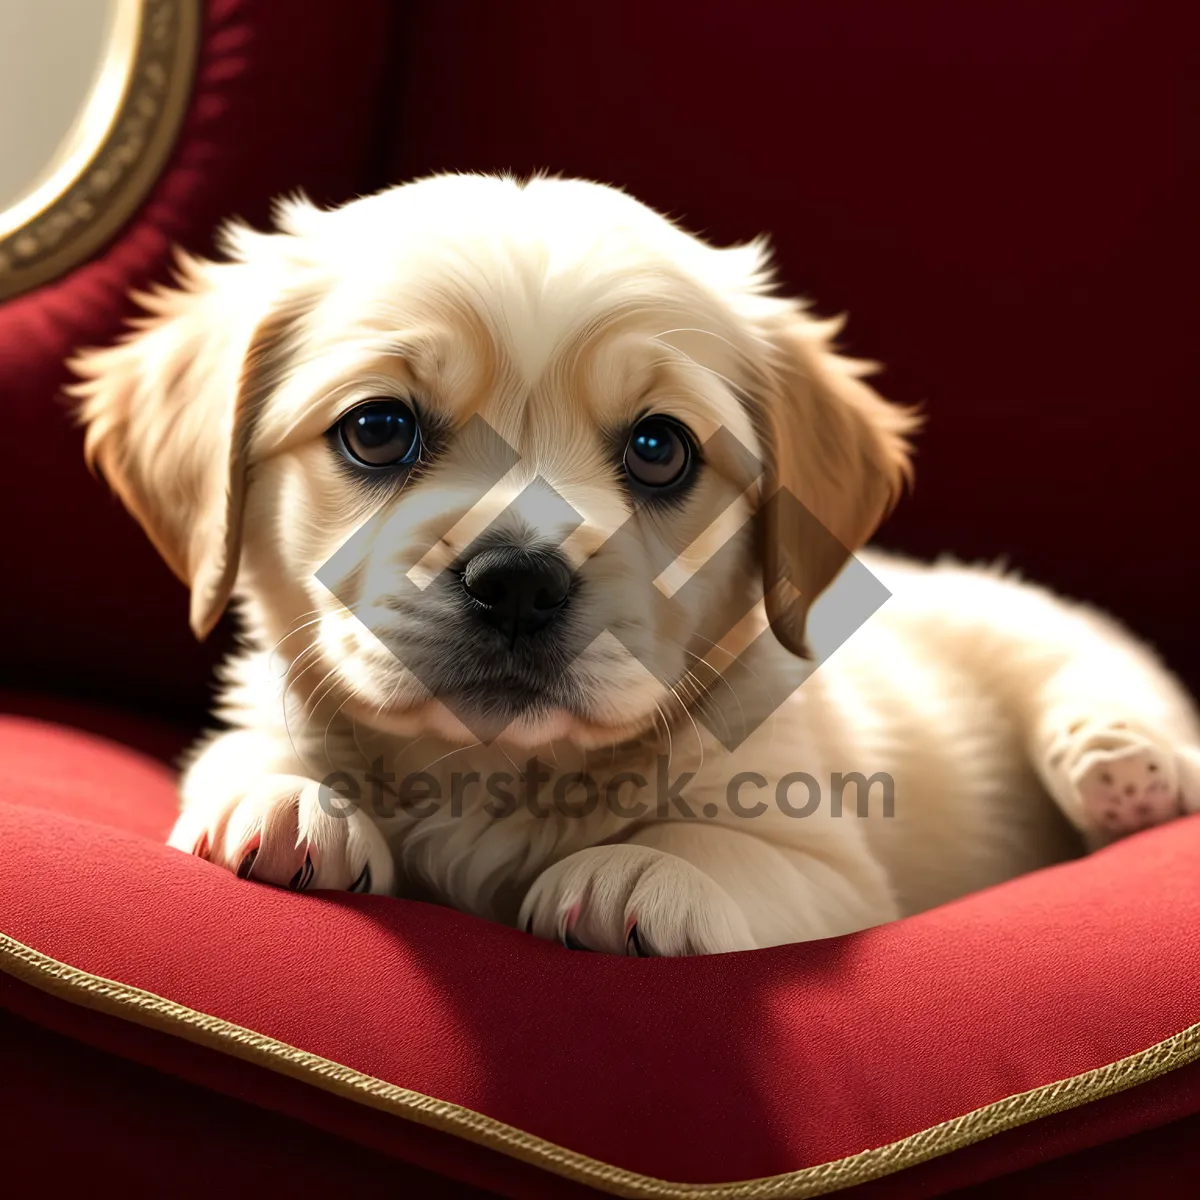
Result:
{"points": [[275, 831], [633, 944], [566, 929], [247, 864], [636, 901], [303, 877]]}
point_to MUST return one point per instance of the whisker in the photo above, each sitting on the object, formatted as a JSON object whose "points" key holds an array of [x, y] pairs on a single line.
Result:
{"points": [[286, 717], [453, 750], [720, 337], [667, 731], [735, 387], [303, 623], [705, 690], [508, 756], [685, 709], [740, 659], [329, 726], [317, 700], [760, 339]]}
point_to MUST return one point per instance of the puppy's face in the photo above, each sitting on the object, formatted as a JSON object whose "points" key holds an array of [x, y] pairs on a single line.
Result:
{"points": [[485, 460]]}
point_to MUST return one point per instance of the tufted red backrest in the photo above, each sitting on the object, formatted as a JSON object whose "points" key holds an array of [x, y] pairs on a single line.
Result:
{"points": [[1003, 195]]}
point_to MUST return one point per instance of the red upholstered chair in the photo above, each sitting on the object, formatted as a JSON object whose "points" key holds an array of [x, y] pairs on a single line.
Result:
{"points": [[1003, 195]]}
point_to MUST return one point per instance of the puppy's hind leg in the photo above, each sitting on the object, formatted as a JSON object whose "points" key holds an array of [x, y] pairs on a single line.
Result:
{"points": [[1115, 738]]}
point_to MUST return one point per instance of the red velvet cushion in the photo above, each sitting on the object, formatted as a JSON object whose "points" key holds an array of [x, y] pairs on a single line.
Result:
{"points": [[513, 1063], [85, 1115]]}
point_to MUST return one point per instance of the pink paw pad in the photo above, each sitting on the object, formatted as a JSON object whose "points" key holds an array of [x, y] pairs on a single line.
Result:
{"points": [[1125, 791]]}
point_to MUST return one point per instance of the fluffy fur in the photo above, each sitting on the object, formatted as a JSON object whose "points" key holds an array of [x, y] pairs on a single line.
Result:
{"points": [[1014, 726]]}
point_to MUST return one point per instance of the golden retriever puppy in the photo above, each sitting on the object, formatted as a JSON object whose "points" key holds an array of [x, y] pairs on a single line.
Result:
{"points": [[539, 515]]}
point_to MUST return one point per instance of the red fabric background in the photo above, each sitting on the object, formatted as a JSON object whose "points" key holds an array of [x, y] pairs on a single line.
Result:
{"points": [[901, 1027], [280, 102], [1001, 193]]}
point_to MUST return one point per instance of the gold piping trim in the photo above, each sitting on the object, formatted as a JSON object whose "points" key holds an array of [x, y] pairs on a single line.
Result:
{"points": [[144, 1008]]}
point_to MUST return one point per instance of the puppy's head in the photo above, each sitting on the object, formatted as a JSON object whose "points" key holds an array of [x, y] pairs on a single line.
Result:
{"points": [[479, 456]]}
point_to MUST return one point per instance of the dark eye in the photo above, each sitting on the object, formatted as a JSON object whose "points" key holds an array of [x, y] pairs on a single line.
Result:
{"points": [[381, 433], [659, 454]]}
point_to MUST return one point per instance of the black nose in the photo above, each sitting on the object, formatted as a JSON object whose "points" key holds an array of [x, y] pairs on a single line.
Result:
{"points": [[517, 591]]}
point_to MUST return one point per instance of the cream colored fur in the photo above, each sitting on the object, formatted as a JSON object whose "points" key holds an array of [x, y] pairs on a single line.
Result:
{"points": [[1013, 724]]}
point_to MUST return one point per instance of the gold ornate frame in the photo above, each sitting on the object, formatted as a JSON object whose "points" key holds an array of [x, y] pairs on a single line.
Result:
{"points": [[123, 138]]}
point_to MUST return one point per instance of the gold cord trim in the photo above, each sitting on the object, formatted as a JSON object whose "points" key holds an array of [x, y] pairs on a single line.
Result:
{"points": [[144, 1008]]}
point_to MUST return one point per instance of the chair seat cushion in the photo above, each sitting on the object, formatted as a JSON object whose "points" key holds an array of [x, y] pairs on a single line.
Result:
{"points": [[1033, 1020]]}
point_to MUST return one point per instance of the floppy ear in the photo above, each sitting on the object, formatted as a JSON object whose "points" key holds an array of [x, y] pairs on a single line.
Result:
{"points": [[171, 409], [837, 459]]}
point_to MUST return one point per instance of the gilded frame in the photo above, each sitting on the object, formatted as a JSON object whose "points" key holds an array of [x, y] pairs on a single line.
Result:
{"points": [[122, 140]]}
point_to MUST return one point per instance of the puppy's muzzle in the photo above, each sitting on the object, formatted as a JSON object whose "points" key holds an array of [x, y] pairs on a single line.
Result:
{"points": [[515, 590]]}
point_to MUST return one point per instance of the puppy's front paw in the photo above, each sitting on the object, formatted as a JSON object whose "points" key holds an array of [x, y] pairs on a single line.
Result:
{"points": [[1117, 777], [633, 900], [278, 831]]}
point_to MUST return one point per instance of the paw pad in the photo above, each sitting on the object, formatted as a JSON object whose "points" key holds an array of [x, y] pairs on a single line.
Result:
{"points": [[1122, 791]]}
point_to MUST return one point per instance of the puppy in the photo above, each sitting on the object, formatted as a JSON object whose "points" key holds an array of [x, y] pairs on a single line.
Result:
{"points": [[538, 515]]}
